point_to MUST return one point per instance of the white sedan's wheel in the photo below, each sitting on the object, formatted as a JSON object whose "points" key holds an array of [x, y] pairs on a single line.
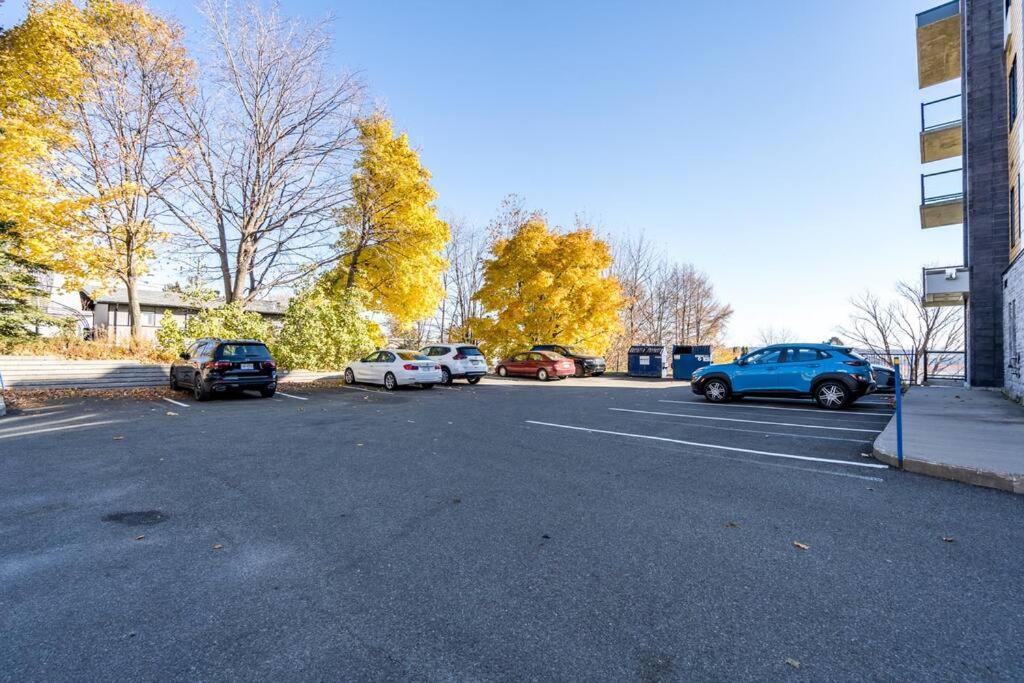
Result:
{"points": [[390, 382], [350, 377]]}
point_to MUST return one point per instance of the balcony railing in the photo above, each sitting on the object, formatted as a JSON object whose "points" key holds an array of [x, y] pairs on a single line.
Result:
{"points": [[942, 186], [942, 113], [945, 11]]}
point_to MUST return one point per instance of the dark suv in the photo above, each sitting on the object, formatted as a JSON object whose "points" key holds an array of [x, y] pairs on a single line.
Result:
{"points": [[586, 364], [211, 366]]}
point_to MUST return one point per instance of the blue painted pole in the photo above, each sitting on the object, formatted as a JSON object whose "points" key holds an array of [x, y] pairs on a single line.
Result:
{"points": [[899, 413]]}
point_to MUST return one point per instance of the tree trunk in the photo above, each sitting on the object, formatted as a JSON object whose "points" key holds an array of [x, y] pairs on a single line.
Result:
{"points": [[134, 309]]}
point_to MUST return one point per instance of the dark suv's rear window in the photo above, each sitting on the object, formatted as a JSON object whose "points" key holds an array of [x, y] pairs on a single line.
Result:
{"points": [[243, 352], [469, 351]]}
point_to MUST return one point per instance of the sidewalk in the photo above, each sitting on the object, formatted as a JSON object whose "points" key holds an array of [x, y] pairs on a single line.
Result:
{"points": [[970, 435]]}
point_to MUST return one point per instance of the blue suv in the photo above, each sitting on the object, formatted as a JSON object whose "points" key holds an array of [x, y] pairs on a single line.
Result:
{"points": [[833, 376]]}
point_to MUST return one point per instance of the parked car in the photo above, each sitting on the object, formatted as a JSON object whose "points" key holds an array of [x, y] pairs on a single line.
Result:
{"points": [[833, 376], [457, 361], [540, 364], [394, 368], [213, 366], [586, 363], [885, 379]]}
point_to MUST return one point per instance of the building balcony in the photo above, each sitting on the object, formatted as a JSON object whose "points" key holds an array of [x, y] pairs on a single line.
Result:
{"points": [[945, 286], [942, 198], [942, 129], [938, 44]]}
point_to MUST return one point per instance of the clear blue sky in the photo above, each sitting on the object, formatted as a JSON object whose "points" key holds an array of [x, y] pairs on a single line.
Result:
{"points": [[773, 145]]}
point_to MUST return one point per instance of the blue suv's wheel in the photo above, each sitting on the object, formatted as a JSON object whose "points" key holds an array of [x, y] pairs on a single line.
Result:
{"points": [[717, 390], [832, 394]]}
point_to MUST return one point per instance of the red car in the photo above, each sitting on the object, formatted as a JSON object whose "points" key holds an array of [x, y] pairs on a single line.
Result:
{"points": [[540, 364]]}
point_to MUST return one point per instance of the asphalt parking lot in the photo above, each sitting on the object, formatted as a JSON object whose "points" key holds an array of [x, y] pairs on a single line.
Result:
{"points": [[589, 529]]}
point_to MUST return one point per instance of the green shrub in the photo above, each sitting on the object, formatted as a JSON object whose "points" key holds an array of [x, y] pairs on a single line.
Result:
{"points": [[228, 322], [324, 329]]}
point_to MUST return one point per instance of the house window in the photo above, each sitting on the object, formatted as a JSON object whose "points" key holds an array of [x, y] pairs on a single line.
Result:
{"points": [[1011, 89]]}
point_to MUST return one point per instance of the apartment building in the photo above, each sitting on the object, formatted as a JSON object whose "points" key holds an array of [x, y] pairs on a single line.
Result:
{"points": [[971, 153]]}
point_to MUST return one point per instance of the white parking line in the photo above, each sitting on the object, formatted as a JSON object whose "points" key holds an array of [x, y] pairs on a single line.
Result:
{"points": [[80, 425], [41, 421], [734, 449], [369, 391], [177, 403], [789, 435], [756, 422], [297, 398], [819, 411]]}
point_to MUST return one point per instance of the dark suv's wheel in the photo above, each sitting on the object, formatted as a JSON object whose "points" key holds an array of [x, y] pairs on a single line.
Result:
{"points": [[174, 382], [267, 392], [199, 392], [832, 395], [716, 390]]}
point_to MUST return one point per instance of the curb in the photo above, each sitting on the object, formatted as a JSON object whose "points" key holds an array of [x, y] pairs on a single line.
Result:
{"points": [[1013, 483], [3, 408]]}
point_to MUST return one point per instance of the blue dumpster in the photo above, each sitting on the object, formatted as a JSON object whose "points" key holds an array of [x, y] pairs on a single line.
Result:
{"points": [[646, 361], [686, 359]]}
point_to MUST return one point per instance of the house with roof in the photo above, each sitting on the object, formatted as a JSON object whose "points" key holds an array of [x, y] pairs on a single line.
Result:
{"points": [[108, 313]]}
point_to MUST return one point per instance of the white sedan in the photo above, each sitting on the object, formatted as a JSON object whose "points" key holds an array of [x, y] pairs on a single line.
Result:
{"points": [[393, 368]]}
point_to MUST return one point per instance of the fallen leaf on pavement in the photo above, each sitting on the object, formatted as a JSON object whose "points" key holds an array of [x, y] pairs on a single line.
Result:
{"points": [[171, 412], [118, 438], [800, 546], [139, 538], [795, 663], [359, 444], [948, 539], [732, 525], [217, 546]]}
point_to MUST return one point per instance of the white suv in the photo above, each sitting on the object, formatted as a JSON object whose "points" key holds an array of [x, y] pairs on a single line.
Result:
{"points": [[457, 360]]}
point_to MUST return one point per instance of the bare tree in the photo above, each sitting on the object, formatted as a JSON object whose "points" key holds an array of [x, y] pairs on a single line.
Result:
{"points": [[120, 157], [269, 142], [465, 253], [774, 335], [665, 303], [903, 325]]}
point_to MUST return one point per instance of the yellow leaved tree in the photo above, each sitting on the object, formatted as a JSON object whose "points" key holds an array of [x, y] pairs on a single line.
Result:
{"points": [[86, 94], [391, 235], [41, 75], [542, 287]]}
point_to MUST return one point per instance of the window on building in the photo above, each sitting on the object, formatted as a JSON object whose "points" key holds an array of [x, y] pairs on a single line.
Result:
{"points": [[1014, 217], [1011, 90]]}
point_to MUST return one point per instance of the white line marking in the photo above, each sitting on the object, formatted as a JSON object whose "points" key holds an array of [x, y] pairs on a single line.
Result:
{"points": [[43, 422], [756, 422], [790, 435], [734, 449], [369, 391], [820, 411], [58, 429], [297, 398], [177, 403]]}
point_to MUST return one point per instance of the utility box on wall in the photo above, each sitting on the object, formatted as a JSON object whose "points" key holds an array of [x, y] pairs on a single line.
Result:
{"points": [[646, 361], [686, 359]]}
